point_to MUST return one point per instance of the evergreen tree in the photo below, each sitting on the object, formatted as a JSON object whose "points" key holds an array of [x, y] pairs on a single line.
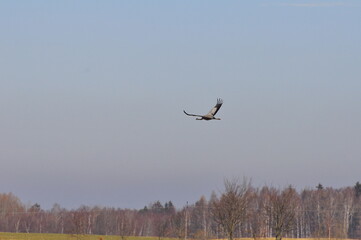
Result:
{"points": [[319, 186], [357, 189]]}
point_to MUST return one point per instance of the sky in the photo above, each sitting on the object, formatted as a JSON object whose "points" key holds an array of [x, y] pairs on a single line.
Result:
{"points": [[92, 95]]}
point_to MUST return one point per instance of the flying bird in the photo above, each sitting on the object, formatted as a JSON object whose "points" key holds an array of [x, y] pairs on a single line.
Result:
{"points": [[210, 115]]}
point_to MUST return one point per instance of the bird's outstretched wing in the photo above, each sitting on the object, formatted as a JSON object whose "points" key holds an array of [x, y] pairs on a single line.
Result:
{"points": [[215, 109], [194, 115]]}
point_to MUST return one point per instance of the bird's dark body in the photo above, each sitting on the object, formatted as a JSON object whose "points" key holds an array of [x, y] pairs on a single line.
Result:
{"points": [[205, 118]]}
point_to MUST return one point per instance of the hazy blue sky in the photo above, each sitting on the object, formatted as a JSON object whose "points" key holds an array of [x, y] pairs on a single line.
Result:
{"points": [[92, 94]]}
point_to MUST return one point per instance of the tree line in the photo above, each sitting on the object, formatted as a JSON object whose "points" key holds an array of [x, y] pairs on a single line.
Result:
{"points": [[240, 210]]}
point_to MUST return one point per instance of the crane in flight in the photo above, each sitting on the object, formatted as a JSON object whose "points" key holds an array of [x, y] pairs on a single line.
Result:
{"points": [[211, 114]]}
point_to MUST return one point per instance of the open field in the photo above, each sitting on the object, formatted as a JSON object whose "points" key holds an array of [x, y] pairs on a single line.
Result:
{"points": [[48, 236]]}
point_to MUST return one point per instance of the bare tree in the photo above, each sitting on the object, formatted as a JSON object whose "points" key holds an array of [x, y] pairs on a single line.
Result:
{"points": [[10, 207], [347, 198], [162, 225], [282, 210], [199, 219], [230, 209], [257, 215], [329, 212]]}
